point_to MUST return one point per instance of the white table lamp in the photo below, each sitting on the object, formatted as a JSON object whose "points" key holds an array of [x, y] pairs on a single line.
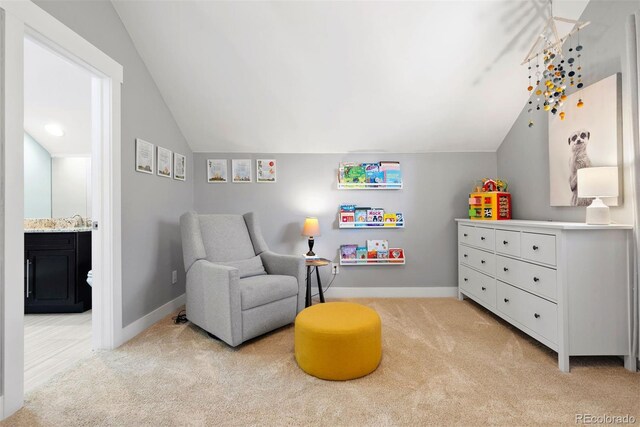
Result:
{"points": [[598, 182]]}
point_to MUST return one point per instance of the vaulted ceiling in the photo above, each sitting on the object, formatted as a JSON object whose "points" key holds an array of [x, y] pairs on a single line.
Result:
{"points": [[307, 77]]}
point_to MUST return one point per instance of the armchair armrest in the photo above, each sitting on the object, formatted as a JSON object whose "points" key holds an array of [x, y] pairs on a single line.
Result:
{"points": [[287, 265], [213, 300]]}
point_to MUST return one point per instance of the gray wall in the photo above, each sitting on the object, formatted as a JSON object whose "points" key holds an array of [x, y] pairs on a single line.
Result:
{"points": [[523, 157], [436, 189], [37, 179], [151, 205]]}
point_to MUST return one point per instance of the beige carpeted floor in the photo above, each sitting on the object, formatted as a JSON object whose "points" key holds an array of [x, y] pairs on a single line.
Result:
{"points": [[444, 362]]}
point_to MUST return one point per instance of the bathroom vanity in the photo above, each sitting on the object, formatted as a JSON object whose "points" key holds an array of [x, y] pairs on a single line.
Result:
{"points": [[55, 271]]}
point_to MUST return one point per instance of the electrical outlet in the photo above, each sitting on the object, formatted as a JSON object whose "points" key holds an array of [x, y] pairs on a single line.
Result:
{"points": [[174, 277], [335, 268]]}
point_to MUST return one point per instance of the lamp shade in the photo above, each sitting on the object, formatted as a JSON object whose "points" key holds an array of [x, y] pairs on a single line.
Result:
{"points": [[598, 182], [311, 227]]}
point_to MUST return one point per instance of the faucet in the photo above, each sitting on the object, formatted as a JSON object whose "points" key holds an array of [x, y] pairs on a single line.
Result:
{"points": [[79, 220]]}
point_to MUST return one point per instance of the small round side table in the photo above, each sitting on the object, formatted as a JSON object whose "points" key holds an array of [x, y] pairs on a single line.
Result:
{"points": [[317, 263]]}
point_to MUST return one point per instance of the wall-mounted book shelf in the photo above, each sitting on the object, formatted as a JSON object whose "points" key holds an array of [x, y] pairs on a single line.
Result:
{"points": [[376, 252], [373, 261], [368, 186], [382, 175], [369, 225], [361, 217]]}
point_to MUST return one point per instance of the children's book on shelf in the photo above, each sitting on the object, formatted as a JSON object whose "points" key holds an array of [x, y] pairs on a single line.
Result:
{"points": [[361, 214], [372, 173], [375, 215], [390, 220], [347, 208], [396, 255], [361, 253], [348, 251], [377, 245], [372, 254], [354, 174], [391, 171], [399, 219], [347, 217], [383, 255]]}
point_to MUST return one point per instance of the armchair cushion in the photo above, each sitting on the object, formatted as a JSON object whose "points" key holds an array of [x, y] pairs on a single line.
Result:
{"points": [[225, 238], [247, 267], [260, 290]]}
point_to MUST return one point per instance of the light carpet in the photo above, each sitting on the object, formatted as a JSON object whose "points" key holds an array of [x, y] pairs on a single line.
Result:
{"points": [[445, 362]]}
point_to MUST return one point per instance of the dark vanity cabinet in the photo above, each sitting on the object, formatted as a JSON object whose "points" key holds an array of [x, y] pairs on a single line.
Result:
{"points": [[55, 275]]}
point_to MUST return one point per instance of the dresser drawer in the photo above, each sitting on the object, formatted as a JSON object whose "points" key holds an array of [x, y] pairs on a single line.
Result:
{"points": [[485, 238], [535, 313], [539, 247], [478, 259], [530, 277], [466, 234], [465, 279], [479, 285], [508, 242]]}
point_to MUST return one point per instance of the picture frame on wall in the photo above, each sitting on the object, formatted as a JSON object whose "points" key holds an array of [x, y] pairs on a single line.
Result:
{"points": [[589, 136], [241, 171], [179, 167], [144, 156], [266, 170], [164, 162], [217, 171]]}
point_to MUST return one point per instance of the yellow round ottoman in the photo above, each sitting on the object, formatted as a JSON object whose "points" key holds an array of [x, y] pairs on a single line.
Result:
{"points": [[338, 340]]}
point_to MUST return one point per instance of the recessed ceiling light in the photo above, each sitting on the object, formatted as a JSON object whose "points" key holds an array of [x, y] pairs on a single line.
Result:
{"points": [[54, 129]]}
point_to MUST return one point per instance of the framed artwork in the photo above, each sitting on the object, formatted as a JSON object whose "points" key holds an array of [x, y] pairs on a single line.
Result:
{"points": [[266, 170], [179, 167], [217, 171], [241, 170], [589, 136], [164, 162], [144, 156]]}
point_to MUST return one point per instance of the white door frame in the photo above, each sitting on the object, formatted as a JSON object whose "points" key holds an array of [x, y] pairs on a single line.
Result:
{"points": [[23, 18]]}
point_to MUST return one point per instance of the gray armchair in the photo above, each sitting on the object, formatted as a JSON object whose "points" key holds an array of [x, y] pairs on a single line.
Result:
{"points": [[236, 288]]}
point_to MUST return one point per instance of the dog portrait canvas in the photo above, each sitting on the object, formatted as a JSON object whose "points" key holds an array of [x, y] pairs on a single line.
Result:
{"points": [[589, 136]]}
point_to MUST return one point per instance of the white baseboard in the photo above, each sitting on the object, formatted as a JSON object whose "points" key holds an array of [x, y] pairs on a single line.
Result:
{"points": [[393, 292], [150, 319]]}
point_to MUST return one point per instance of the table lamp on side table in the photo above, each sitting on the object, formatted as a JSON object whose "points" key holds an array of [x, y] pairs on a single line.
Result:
{"points": [[598, 182], [310, 229]]}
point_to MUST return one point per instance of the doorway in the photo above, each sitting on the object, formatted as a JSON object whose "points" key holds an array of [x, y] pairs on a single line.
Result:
{"points": [[20, 20], [57, 214]]}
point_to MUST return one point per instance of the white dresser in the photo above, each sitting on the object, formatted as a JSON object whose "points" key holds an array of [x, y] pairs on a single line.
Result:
{"points": [[565, 284]]}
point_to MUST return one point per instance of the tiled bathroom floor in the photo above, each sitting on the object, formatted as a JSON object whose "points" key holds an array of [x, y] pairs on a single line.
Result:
{"points": [[53, 343]]}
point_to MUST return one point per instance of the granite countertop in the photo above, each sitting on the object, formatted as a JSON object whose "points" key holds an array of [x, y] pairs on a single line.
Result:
{"points": [[57, 230]]}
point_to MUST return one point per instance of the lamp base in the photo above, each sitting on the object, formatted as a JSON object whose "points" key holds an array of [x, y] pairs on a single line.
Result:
{"points": [[310, 253], [598, 213]]}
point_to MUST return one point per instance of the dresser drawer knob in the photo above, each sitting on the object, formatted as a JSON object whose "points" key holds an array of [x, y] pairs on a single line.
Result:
{"points": [[504, 242], [466, 280], [536, 315], [505, 269], [535, 279], [506, 300], [482, 261], [483, 238], [535, 248], [465, 255], [465, 235], [484, 289]]}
